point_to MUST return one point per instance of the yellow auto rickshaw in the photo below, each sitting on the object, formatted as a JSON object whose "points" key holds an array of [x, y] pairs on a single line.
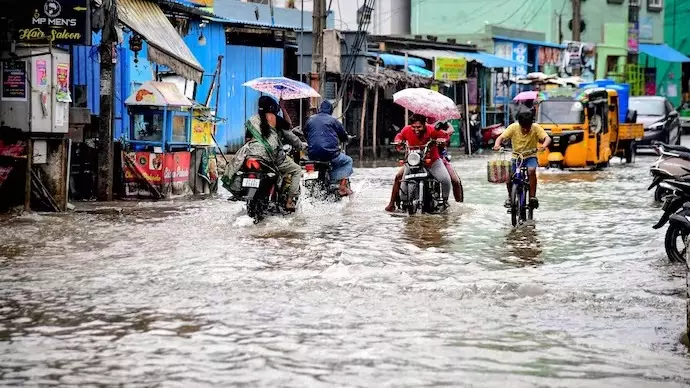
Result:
{"points": [[580, 126]]}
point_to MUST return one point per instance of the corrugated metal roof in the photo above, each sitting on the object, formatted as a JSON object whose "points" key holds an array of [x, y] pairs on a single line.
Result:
{"points": [[487, 60], [166, 47], [234, 11]]}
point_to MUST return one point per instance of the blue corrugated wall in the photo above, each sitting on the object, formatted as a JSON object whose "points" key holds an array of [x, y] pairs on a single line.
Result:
{"points": [[236, 102], [244, 64]]}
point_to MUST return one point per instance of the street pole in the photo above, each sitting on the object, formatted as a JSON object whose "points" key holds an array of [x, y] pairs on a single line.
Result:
{"points": [[105, 126], [577, 19], [301, 63], [319, 24]]}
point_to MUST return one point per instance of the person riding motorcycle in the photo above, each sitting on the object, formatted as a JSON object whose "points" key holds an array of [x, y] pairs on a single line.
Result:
{"points": [[454, 178], [525, 135], [266, 132], [323, 133], [418, 134]]}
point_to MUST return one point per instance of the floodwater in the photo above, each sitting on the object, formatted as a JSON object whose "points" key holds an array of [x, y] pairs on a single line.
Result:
{"points": [[191, 293]]}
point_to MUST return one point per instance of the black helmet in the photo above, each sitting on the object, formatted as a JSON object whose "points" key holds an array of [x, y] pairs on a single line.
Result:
{"points": [[267, 105], [525, 118]]}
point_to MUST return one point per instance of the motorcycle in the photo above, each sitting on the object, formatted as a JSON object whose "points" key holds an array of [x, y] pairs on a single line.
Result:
{"points": [[262, 187], [316, 179], [675, 205], [423, 190], [491, 133], [673, 163]]}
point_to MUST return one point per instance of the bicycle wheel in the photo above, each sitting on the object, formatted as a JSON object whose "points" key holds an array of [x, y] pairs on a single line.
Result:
{"points": [[523, 206], [514, 205]]}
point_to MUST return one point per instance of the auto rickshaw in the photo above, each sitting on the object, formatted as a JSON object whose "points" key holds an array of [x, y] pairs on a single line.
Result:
{"points": [[580, 126]]}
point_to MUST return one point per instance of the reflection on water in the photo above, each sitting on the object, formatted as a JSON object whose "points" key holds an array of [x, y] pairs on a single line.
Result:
{"points": [[191, 293]]}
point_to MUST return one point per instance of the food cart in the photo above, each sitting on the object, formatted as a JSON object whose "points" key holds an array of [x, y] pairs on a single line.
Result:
{"points": [[156, 154]]}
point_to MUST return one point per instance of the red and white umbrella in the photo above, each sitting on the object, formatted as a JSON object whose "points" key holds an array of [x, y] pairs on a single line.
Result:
{"points": [[428, 103]]}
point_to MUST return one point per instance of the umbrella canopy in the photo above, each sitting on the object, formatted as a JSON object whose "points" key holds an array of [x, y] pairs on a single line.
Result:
{"points": [[428, 103], [282, 88], [526, 96]]}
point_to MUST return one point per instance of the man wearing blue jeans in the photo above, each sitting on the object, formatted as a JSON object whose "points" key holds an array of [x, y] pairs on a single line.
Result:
{"points": [[324, 134]]}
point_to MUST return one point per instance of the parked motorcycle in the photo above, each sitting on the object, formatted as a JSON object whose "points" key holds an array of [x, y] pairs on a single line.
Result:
{"points": [[674, 204], [491, 133], [316, 178], [262, 187], [673, 163], [423, 190]]}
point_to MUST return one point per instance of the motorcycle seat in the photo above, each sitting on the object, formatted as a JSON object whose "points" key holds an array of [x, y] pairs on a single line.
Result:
{"points": [[677, 148], [314, 162]]}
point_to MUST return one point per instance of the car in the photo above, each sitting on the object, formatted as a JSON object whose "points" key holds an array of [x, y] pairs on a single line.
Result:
{"points": [[661, 121]]}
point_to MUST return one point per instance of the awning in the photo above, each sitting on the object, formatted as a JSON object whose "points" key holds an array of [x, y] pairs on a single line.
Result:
{"points": [[487, 60], [399, 60], [530, 41], [420, 70], [663, 52], [165, 46]]}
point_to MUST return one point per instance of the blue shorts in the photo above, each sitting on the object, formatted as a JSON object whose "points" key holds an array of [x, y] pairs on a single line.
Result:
{"points": [[530, 162]]}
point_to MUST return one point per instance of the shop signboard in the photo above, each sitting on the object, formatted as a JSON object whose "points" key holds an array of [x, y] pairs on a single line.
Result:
{"points": [[57, 21], [500, 80], [633, 37], [14, 81], [520, 54], [450, 69], [202, 132], [148, 174]]}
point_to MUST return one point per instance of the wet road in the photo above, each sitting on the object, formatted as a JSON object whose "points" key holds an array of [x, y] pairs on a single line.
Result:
{"points": [[193, 294]]}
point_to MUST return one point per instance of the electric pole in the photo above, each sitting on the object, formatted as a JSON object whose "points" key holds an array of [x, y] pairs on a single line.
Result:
{"points": [[105, 125], [577, 19], [317, 65]]}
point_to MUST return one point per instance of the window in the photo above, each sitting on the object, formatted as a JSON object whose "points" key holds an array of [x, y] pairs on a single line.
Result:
{"points": [[561, 112], [655, 5], [179, 129], [148, 125]]}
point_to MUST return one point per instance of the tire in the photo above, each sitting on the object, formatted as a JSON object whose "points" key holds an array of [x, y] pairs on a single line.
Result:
{"points": [[672, 234], [629, 153], [514, 204], [659, 194]]}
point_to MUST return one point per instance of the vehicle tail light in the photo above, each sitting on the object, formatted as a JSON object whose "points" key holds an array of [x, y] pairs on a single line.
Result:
{"points": [[309, 167], [251, 176], [253, 164], [427, 161]]}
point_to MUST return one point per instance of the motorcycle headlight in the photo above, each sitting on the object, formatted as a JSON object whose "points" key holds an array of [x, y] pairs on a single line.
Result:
{"points": [[414, 158]]}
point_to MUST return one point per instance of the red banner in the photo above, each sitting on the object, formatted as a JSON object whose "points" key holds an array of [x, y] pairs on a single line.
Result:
{"points": [[148, 174]]}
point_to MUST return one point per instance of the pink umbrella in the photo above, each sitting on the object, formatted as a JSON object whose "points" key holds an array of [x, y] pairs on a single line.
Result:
{"points": [[428, 103], [282, 88], [526, 96]]}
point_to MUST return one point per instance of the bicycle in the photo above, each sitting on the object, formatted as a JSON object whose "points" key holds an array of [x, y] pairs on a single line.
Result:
{"points": [[520, 208]]}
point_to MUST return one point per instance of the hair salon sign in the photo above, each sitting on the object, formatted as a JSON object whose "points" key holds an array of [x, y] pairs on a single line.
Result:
{"points": [[56, 21]]}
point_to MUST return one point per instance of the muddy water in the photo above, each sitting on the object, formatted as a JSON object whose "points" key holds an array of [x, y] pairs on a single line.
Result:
{"points": [[193, 294]]}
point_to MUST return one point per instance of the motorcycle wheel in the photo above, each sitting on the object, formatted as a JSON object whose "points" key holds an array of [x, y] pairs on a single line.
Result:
{"points": [[659, 194], [671, 246]]}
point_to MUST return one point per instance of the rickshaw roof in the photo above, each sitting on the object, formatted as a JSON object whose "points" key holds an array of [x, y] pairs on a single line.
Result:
{"points": [[570, 94]]}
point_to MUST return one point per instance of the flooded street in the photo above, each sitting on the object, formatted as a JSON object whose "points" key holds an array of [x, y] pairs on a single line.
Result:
{"points": [[193, 294]]}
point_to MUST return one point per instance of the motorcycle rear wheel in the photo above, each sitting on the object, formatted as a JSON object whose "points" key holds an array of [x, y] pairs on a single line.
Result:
{"points": [[671, 246]]}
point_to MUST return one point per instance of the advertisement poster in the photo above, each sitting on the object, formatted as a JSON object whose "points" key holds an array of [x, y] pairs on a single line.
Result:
{"points": [[14, 81], [450, 69], [201, 132], [57, 21], [41, 73], [500, 80], [148, 174], [63, 94], [520, 54], [549, 59], [633, 38]]}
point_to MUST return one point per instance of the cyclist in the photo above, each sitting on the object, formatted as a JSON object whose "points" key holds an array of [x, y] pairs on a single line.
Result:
{"points": [[525, 135]]}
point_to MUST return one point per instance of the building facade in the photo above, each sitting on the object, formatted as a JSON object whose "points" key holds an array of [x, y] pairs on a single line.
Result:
{"points": [[389, 17]]}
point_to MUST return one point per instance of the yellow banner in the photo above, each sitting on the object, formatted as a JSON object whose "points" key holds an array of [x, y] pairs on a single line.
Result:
{"points": [[201, 132], [450, 69]]}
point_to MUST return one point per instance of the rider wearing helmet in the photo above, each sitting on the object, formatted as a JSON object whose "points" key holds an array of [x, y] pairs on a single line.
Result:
{"points": [[525, 135]]}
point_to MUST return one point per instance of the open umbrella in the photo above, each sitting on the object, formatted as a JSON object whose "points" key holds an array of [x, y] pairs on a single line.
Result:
{"points": [[428, 103], [282, 88], [526, 96]]}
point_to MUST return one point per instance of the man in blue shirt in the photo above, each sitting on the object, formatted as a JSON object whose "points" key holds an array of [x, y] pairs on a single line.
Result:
{"points": [[324, 134]]}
